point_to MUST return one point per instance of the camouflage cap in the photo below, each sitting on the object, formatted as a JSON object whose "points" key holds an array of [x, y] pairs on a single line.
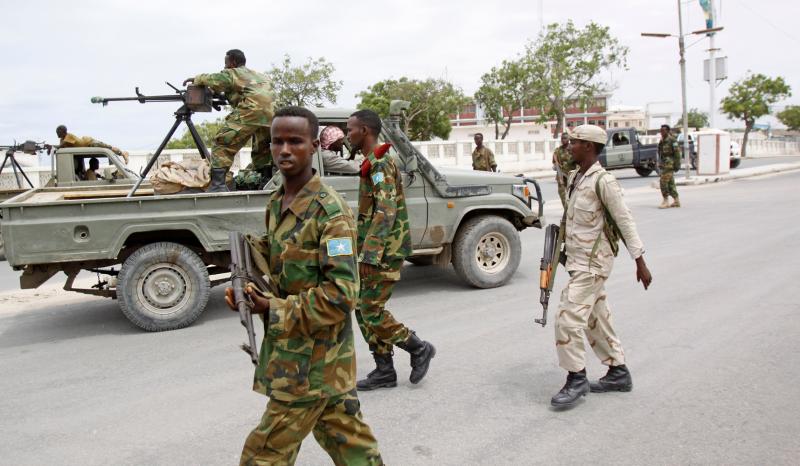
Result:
{"points": [[590, 133]]}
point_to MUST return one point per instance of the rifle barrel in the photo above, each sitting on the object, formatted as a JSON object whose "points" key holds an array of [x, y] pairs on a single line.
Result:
{"points": [[142, 99]]}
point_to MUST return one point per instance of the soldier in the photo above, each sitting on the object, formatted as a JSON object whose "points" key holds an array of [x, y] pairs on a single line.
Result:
{"points": [[307, 363], [70, 140], [669, 160], [331, 141], [591, 244], [563, 163], [384, 242], [91, 173], [250, 95], [482, 157]]}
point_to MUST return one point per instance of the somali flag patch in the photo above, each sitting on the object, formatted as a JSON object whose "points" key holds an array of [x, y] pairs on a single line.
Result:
{"points": [[377, 178], [340, 247]]}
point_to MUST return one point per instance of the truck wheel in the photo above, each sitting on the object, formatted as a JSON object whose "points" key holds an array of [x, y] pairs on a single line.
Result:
{"points": [[486, 251], [644, 171], [163, 286], [421, 260], [735, 162]]}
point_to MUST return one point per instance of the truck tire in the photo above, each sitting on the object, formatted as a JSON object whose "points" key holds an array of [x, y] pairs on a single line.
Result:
{"points": [[422, 260], [642, 171], [486, 251], [735, 162], [163, 286]]}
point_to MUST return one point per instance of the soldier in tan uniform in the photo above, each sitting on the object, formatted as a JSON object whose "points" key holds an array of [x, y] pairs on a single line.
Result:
{"points": [[67, 139], [482, 157], [592, 194]]}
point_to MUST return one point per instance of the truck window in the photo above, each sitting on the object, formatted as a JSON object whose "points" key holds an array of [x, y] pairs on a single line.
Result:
{"points": [[620, 139], [83, 166]]}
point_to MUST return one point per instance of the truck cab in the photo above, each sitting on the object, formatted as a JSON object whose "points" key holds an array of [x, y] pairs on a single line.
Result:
{"points": [[624, 150], [72, 168]]}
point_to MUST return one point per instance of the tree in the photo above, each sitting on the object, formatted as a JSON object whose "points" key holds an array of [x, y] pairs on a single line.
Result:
{"points": [[503, 90], [790, 117], [749, 99], [310, 84], [207, 131], [432, 103], [696, 119], [565, 65]]}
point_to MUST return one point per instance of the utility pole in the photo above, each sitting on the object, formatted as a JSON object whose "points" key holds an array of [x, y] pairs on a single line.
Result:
{"points": [[712, 79], [685, 118]]}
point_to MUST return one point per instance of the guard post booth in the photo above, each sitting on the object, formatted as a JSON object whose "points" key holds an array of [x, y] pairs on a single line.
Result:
{"points": [[713, 147]]}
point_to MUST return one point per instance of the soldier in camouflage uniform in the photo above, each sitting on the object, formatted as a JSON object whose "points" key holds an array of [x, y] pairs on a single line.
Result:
{"points": [[384, 241], [307, 362], [669, 160], [592, 195], [563, 163], [67, 139], [482, 157], [250, 95]]}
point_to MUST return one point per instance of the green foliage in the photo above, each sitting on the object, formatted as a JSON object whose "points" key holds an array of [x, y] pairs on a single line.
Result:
{"points": [[207, 131], [696, 119], [310, 84], [565, 65], [432, 103], [749, 99], [502, 91], [790, 117]]}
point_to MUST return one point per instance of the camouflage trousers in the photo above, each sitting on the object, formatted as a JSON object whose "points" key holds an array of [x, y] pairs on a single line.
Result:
{"points": [[379, 327], [584, 311], [562, 190], [668, 187], [123, 154], [337, 426], [231, 137]]}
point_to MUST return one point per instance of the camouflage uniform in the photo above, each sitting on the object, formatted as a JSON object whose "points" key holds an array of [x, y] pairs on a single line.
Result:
{"points": [[307, 363], [70, 140], [483, 159], [669, 155], [583, 307], [565, 164], [250, 95], [383, 241]]}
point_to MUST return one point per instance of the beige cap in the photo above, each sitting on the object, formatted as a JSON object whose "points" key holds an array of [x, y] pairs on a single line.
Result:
{"points": [[590, 133]]}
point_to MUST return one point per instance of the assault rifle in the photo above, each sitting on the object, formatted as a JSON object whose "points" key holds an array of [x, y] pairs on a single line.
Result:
{"points": [[27, 147], [242, 273], [552, 255], [195, 98]]}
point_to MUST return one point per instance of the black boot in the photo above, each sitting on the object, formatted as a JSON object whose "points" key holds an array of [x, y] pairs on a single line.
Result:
{"points": [[576, 387], [617, 379], [218, 181], [421, 354], [384, 375]]}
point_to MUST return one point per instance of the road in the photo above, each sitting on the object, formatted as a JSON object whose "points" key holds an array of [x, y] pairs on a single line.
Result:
{"points": [[713, 347]]}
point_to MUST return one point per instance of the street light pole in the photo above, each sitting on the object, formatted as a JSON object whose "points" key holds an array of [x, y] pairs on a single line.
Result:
{"points": [[685, 119]]}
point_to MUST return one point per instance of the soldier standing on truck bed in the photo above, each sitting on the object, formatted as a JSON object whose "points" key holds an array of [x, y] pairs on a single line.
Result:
{"points": [[307, 363], [384, 242], [250, 95], [595, 218], [669, 160], [67, 139], [482, 157], [563, 163]]}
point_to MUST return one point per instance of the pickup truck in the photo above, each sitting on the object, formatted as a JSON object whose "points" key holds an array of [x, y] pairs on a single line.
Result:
{"points": [[623, 150], [69, 170], [159, 255]]}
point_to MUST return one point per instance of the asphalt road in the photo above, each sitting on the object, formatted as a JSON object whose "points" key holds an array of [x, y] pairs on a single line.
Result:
{"points": [[713, 347]]}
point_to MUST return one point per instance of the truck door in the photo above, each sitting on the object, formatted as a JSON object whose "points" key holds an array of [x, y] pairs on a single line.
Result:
{"points": [[619, 150]]}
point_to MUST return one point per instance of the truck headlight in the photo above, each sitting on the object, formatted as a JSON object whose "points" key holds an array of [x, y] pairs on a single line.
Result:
{"points": [[522, 192]]}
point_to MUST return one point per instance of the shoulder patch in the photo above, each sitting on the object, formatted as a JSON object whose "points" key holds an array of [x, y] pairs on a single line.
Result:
{"points": [[339, 247], [378, 178]]}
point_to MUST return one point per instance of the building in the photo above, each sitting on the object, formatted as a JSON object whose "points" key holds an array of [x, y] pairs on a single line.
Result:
{"points": [[621, 116], [524, 123]]}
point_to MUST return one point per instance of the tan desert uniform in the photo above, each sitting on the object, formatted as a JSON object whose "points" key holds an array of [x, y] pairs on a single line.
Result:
{"points": [[583, 307]]}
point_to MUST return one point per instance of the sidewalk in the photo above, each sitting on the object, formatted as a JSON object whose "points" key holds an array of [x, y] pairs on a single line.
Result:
{"points": [[735, 174]]}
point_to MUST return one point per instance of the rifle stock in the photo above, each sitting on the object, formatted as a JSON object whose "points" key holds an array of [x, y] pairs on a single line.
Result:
{"points": [[553, 239], [241, 274]]}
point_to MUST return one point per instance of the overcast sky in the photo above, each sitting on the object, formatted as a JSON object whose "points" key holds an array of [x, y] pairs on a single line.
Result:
{"points": [[56, 54]]}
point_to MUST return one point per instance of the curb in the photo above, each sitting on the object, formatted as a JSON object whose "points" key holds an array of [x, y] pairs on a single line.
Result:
{"points": [[739, 174]]}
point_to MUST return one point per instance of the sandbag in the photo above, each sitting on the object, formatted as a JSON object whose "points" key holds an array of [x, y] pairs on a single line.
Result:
{"points": [[174, 177]]}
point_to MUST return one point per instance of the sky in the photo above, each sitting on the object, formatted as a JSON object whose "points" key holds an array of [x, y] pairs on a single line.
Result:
{"points": [[57, 55]]}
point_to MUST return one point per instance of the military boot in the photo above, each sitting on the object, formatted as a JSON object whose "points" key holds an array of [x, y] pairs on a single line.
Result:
{"points": [[218, 181], [676, 202], [617, 379], [576, 387], [421, 354], [664, 203], [384, 375]]}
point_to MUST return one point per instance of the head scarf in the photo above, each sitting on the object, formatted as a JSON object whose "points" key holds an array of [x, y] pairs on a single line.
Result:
{"points": [[330, 135]]}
